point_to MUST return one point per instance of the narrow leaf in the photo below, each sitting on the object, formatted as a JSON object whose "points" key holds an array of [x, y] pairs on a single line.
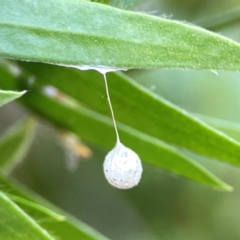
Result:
{"points": [[82, 33], [69, 229], [230, 128], [139, 108], [96, 128], [36, 206], [8, 96], [15, 143], [16, 224]]}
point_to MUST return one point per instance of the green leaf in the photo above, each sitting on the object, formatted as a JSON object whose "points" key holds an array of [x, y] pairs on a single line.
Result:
{"points": [[48, 216], [82, 33], [140, 109], [96, 128], [15, 143], [15, 224], [230, 128], [8, 96], [35, 206]]}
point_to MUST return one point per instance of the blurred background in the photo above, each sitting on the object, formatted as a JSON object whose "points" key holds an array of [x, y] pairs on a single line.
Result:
{"points": [[163, 206]]}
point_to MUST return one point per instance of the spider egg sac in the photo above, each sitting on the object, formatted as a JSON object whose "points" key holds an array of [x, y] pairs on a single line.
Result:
{"points": [[122, 167]]}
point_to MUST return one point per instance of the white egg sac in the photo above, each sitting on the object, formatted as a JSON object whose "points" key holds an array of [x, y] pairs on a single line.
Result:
{"points": [[122, 167]]}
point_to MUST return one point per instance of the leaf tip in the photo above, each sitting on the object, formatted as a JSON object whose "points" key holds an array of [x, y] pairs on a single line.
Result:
{"points": [[226, 188], [22, 93]]}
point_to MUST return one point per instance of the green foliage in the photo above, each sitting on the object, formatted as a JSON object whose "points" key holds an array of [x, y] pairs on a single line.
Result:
{"points": [[158, 118], [89, 35], [97, 128], [84, 33], [30, 218], [15, 224], [8, 96], [15, 143]]}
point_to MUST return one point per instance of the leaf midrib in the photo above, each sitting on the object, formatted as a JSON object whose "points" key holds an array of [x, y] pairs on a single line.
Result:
{"points": [[78, 33]]}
